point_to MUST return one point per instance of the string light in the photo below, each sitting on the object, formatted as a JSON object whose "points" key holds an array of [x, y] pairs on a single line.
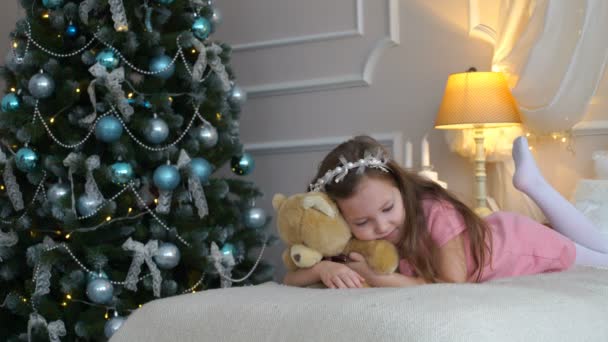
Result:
{"points": [[13, 89], [52, 120], [218, 116], [67, 236], [15, 44], [170, 99], [78, 90], [24, 300], [109, 218], [32, 233], [68, 296], [58, 36], [2, 187], [106, 316], [130, 95], [58, 232], [64, 304], [193, 50], [45, 15], [564, 139], [122, 28], [530, 148], [156, 201], [140, 305], [130, 210]]}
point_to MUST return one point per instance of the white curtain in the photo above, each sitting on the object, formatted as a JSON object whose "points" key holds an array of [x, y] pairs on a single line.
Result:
{"points": [[553, 53]]}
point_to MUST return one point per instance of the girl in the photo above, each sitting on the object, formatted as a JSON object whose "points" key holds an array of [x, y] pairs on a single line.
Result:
{"points": [[438, 237]]}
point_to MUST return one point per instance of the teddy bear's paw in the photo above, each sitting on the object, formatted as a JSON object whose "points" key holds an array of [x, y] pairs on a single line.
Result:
{"points": [[385, 258]]}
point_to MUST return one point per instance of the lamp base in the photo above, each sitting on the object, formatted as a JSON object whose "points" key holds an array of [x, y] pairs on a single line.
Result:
{"points": [[482, 211]]}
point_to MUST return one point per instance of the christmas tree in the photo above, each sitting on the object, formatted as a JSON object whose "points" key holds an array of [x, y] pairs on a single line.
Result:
{"points": [[117, 121]]}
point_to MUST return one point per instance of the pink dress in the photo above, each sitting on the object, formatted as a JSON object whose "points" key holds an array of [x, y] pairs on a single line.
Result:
{"points": [[520, 245]]}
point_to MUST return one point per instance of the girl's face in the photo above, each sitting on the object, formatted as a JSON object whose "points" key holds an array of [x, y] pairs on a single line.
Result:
{"points": [[375, 211]]}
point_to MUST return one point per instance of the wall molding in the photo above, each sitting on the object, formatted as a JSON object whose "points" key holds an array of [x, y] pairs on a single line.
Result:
{"points": [[362, 79], [356, 31], [393, 140], [476, 28]]}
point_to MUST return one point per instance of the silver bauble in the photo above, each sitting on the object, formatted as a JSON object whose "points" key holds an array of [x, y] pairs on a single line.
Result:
{"points": [[57, 192], [112, 325], [167, 256], [237, 95], [86, 205], [41, 85], [206, 135], [254, 217], [100, 291], [156, 131]]}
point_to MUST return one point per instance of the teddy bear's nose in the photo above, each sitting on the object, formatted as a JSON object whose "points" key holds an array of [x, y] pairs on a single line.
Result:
{"points": [[296, 257]]}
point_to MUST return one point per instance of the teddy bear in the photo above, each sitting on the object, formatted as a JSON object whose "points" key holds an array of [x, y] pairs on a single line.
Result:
{"points": [[311, 226]]}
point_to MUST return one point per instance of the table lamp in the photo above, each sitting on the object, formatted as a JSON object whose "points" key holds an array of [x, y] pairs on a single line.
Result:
{"points": [[477, 100]]}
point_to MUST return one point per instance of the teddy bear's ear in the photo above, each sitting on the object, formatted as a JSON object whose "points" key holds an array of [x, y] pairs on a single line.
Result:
{"points": [[319, 203], [277, 200]]}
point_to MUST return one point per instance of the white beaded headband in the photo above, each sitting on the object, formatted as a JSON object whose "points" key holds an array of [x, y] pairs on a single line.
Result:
{"points": [[338, 174]]}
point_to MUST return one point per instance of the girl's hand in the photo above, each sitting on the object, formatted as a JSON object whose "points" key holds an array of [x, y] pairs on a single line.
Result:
{"points": [[374, 279], [359, 265], [338, 276]]}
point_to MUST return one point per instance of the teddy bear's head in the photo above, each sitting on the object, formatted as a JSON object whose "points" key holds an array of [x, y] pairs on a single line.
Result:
{"points": [[311, 226]]}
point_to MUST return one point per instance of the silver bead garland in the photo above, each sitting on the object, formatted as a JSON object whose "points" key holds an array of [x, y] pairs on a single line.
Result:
{"points": [[57, 141], [114, 112], [166, 147], [151, 212], [30, 37]]}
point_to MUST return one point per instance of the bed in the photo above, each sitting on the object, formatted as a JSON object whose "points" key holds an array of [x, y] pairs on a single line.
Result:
{"points": [[567, 306]]}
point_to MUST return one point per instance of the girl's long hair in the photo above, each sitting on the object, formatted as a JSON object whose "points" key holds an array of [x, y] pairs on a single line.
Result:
{"points": [[416, 246]]}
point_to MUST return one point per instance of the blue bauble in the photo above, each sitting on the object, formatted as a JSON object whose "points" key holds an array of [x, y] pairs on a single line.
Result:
{"points": [[242, 165], [41, 85], [26, 159], [227, 249], [156, 131], [121, 173], [10, 102], [86, 205], [71, 31], [237, 95], [201, 168], [108, 129], [52, 4], [100, 291], [201, 28], [167, 256], [165, 2], [162, 62], [206, 134], [254, 217], [112, 325], [166, 177], [58, 192], [108, 59]]}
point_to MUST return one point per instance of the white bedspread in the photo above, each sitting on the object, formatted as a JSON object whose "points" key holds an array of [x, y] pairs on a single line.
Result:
{"points": [[567, 306]]}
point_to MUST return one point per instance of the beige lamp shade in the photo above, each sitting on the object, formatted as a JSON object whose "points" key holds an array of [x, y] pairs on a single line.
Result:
{"points": [[477, 100]]}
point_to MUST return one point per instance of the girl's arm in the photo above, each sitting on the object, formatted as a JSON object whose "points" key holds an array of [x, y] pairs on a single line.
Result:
{"points": [[452, 267], [332, 274]]}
